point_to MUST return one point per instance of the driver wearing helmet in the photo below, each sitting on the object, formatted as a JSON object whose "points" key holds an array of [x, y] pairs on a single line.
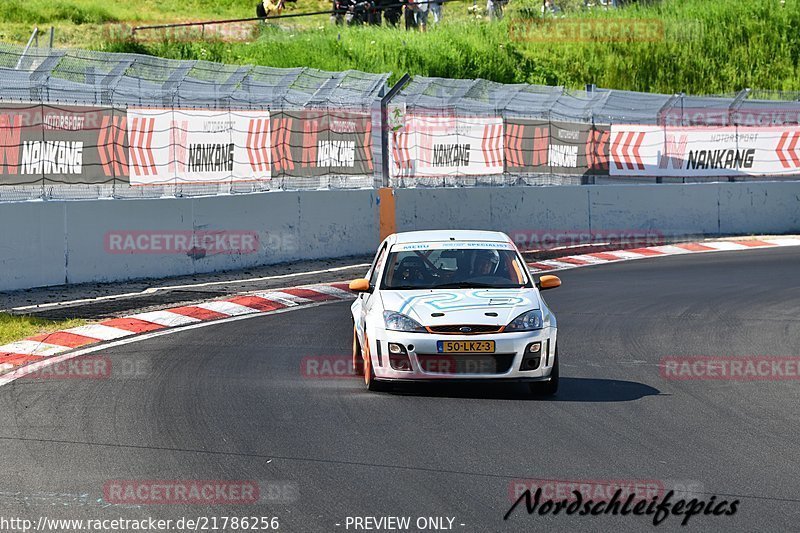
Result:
{"points": [[485, 263]]}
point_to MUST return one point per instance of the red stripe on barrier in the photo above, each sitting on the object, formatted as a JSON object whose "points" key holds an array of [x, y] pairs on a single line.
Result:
{"points": [[309, 294], [264, 146], [483, 143], [626, 150], [149, 145], [258, 141], [102, 148], [132, 324], [255, 302], [498, 146], [249, 143], [604, 256], [754, 243], [694, 247], [121, 163], [636, 155], [779, 149], [407, 156], [615, 149], [276, 158], [197, 312], [573, 261], [368, 144], [541, 266], [792, 146], [18, 359], [287, 147], [132, 146], [140, 134], [645, 251], [63, 338]]}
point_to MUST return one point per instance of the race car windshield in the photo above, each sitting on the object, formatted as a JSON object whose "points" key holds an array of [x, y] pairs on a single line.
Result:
{"points": [[454, 268]]}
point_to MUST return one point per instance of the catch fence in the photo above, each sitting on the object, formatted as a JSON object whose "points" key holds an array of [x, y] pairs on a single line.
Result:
{"points": [[79, 124]]}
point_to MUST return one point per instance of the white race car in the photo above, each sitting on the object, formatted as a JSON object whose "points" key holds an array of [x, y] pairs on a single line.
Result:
{"points": [[453, 305]]}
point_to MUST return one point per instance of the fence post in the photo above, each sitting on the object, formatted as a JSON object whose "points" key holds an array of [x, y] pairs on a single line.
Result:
{"points": [[741, 96], [590, 179], [385, 127]]}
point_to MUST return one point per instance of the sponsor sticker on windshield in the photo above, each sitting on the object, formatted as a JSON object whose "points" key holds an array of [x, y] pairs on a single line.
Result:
{"points": [[451, 245]]}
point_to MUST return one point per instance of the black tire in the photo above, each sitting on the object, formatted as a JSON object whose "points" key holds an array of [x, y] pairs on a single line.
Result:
{"points": [[547, 388], [373, 384]]}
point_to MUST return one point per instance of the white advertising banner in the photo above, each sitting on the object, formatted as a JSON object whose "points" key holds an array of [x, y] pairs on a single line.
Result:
{"points": [[198, 146], [704, 151], [432, 146]]}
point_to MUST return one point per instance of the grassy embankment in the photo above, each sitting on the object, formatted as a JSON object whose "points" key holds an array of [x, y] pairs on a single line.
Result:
{"points": [[13, 327], [699, 46]]}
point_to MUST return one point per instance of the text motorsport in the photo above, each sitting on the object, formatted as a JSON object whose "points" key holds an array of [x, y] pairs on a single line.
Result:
{"points": [[659, 510]]}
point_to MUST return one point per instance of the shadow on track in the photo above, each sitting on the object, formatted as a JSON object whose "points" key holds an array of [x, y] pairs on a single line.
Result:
{"points": [[570, 390]]}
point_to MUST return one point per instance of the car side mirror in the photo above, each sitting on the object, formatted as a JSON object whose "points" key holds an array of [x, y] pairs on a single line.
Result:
{"points": [[548, 282], [360, 285]]}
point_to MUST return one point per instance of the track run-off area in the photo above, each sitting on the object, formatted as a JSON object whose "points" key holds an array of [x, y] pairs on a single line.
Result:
{"points": [[238, 404]]}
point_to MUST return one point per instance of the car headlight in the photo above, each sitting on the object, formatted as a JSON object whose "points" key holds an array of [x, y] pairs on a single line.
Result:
{"points": [[400, 322], [527, 321]]}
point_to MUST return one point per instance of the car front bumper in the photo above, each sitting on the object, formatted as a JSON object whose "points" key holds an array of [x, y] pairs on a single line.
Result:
{"points": [[509, 362]]}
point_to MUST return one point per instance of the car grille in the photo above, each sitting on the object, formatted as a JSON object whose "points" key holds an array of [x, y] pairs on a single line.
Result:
{"points": [[465, 363], [456, 329]]}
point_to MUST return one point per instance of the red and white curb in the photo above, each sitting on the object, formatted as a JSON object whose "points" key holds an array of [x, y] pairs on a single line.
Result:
{"points": [[40, 347], [46, 345], [574, 261]]}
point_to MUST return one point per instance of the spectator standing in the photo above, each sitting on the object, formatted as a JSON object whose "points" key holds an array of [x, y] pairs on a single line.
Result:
{"points": [[550, 8], [495, 8], [418, 10], [393, 10], [436, 11]]}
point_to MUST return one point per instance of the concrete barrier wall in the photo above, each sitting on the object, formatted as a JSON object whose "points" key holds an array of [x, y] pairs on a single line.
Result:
{"points": [[52, 243], [671, 210]]}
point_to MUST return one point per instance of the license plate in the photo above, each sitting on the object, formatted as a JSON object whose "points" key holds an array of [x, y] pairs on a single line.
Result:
{"points": [[465, 346]]}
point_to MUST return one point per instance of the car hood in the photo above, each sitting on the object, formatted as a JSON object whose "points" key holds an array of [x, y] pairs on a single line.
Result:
{"points": [[461, 306]]}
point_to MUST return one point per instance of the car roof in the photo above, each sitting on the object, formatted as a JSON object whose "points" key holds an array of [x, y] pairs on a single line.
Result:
{"points": [[410, 237]]}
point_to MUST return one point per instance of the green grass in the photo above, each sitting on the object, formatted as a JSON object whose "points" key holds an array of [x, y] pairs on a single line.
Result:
{"points": [[702, 46], [15, 327]]}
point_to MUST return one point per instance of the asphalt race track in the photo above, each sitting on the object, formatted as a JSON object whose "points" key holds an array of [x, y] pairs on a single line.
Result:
{"points": [[231, 402]]}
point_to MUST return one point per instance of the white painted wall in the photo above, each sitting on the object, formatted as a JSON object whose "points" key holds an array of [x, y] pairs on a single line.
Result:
{"points": [[52, 243], [56, 242]]}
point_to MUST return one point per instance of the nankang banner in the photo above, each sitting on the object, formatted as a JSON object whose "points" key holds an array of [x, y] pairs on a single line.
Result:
{"points": [[432, 146], [312, 143], [198, 146], [704, 151], [62, 144], [540, 146]]}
